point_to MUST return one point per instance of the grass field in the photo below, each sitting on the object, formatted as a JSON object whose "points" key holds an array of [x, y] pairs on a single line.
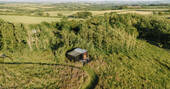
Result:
{"points": [[27, 19], [32, 74], [67, 13], [147, 70], [38, 76]]}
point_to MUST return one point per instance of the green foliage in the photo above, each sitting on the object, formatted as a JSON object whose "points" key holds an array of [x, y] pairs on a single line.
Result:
{"points": [[60, 15], [47, 14], [123, 7], [8, 40], [39, 14], [82, 15], [149, 28], [108, 34]]}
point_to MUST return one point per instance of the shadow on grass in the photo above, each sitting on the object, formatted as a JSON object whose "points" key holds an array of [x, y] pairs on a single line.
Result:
{"points": [[164, 65], [159, 39]]}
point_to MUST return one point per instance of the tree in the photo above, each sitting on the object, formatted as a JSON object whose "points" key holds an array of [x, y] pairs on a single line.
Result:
{"points": [[47, 14], [82, 15], [60, 15]]}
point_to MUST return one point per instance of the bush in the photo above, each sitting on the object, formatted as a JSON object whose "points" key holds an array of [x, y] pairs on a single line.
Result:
{"points": [[60, 15], [82, 15]]}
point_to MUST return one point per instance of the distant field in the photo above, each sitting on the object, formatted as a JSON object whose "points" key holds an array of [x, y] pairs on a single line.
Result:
{"points": [[149, 9], [137, 12], [36, 20], [67, 13], [27, 19]]}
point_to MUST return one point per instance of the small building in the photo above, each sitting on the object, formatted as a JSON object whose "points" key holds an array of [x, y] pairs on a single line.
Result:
{"points": [[78, 54]]}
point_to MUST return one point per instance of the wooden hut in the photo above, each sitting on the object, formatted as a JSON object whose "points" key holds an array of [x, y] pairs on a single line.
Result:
{"points": [[78, 54]]}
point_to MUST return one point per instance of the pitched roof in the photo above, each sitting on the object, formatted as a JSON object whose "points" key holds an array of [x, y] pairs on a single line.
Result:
{"points": [[80, 50], [77, 52], [74, 53]]}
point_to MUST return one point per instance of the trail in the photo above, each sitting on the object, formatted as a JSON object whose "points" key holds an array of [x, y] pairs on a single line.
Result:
{"points": [[93, 78], [28, 63]]}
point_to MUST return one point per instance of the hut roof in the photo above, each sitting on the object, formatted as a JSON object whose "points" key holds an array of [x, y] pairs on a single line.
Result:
{"points": [[74, 53], [77, 52], [80, 50]]}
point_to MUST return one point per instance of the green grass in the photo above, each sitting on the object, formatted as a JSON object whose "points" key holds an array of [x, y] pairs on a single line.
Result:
{"points": [[40, 76], [36, 75], [147, 69], [27, 19]]}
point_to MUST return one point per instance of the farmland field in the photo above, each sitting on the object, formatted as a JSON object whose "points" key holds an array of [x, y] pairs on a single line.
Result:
{"points": [[36, 20], [67, 13], [27, 19]]}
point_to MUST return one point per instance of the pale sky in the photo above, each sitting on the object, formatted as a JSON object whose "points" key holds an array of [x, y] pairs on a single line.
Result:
{"points": [[74, 0]]}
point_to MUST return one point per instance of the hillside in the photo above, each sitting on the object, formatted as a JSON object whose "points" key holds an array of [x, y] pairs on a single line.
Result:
{"points": [[127, 51]]}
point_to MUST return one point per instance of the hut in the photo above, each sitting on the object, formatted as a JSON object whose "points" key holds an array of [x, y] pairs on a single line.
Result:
{"points": [[77, 54]]}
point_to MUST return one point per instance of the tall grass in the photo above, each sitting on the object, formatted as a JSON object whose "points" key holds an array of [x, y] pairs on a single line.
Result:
{"points": [[123, 40]]}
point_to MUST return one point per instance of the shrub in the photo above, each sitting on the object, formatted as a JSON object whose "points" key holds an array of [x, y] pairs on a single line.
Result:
{"points": [[82, 15]]}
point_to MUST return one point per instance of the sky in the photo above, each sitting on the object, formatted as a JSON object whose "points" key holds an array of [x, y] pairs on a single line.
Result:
{"points": [[74, 0]]}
